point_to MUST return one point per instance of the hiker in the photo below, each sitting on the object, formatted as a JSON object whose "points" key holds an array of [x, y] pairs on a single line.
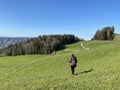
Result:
{"points": [[73, 63]]}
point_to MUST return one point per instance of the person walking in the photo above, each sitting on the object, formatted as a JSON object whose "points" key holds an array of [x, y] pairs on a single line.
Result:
{"points": [[73, 63]]}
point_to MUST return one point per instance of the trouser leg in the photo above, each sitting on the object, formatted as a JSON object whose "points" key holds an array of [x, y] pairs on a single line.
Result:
{"points": [[72, 70]]}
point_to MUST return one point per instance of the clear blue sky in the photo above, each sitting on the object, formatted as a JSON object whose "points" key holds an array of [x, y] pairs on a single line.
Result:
{"points": [[30, 18]]}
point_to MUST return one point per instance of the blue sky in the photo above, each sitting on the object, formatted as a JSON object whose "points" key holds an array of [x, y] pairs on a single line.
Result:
{"points": [[31, 18]]}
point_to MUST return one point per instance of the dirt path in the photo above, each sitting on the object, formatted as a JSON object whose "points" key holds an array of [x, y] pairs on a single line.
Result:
{"points": [[86, 48]]}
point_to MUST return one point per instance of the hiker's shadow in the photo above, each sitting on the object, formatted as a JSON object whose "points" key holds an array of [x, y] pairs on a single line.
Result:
{"points": [[86, 71]]}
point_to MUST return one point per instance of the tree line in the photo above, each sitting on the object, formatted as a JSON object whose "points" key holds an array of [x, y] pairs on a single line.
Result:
{"points": [[45, 44], [107, 33]]}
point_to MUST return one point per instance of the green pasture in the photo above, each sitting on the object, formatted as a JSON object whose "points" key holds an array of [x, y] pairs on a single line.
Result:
{"points": [[98, 69]]}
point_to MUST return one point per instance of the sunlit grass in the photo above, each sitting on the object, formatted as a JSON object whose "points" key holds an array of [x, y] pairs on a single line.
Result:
{"points": [[98, 69]]}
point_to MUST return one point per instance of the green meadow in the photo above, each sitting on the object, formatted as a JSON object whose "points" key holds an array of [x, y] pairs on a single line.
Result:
{"points": [[98, 68]]}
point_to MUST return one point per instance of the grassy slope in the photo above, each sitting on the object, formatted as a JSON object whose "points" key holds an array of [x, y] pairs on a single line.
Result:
{"points": [[98, 69]]}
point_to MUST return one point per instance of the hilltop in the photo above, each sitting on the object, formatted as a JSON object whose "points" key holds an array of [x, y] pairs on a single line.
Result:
{"points": [[97, 69]]}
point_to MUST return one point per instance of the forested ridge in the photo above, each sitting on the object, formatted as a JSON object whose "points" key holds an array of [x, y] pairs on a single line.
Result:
{"points": [[45, 44]]}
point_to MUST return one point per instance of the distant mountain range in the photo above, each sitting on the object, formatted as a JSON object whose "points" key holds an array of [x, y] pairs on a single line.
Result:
{"points": [[5, 41]]}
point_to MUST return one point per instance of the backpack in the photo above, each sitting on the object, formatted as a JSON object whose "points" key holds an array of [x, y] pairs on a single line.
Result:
{"points": [[73, 61]]}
